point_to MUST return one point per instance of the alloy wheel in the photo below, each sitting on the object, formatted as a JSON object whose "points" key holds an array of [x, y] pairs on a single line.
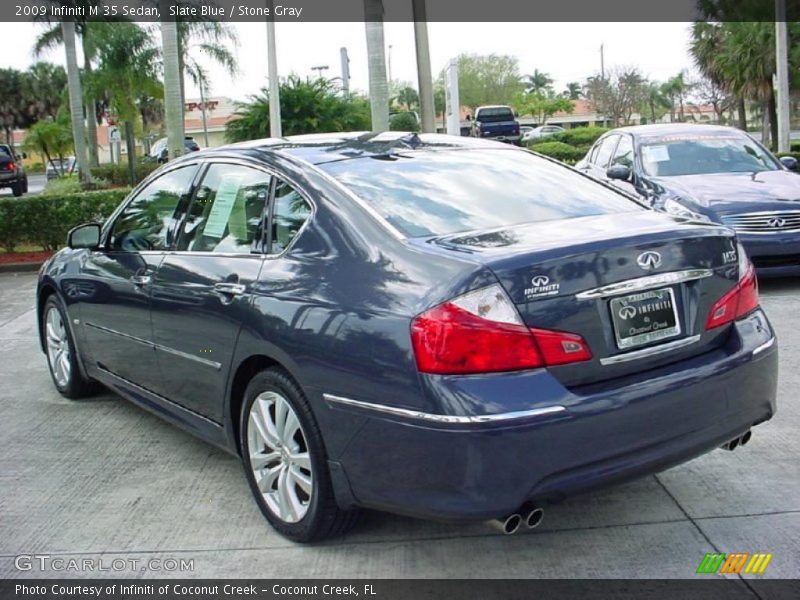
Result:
{"points": [[58, 347], [279, 457]]}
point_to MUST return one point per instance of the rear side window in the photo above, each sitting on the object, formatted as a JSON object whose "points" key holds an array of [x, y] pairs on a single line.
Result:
{"points": [[427, 193], [148, 221], [228, 211], [290, 212]]}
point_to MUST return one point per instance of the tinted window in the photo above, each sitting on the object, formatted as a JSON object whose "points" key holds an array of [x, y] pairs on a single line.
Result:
{"points": [[624, 153], [684, 155], [605, 150], [148, 221], [291, 211], [437, 193], [489, 115], [228, 211]]}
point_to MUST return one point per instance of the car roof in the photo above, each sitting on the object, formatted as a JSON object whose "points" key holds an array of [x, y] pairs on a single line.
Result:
{"points": [[329, 147], [665, 129]]}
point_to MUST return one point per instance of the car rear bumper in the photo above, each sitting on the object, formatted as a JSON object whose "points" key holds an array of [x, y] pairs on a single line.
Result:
{"points": [[473, 465], [773, 254]]}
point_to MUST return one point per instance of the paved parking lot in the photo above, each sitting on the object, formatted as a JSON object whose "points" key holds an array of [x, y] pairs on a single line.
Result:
{"points": [[102, 478]]}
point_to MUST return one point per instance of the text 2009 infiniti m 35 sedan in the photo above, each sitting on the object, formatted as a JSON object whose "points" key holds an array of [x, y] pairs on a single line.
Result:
{"points": [[436, 326]]}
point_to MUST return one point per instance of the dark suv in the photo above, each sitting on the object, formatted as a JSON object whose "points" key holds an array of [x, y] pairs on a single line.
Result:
{"points": [[12, 171]]}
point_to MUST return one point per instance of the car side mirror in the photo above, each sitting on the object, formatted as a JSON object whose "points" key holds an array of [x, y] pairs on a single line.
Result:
{"points": [[620, 172], [84, 236], [790, 162]]}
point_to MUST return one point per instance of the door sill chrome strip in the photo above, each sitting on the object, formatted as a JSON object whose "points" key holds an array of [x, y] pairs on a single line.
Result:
{"points": [[648, 352], [645, 283], [444, 419]]}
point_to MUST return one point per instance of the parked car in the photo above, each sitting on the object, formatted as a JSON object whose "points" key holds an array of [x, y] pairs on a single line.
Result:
{"points": [[160, 152], [713, 174], [542, 132], [496, 123], [365, 330], [60, 166], [12, 171], [523, 129]]}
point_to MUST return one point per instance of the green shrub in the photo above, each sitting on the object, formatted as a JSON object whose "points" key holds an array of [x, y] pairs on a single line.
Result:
{"points": [[44, 220], [118, 174], [404, 121], [560, 151], [579, 136], [67, 184]]}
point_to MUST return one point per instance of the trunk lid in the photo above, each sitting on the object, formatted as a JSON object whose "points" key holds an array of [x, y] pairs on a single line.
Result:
{"points": [[572, 275]]}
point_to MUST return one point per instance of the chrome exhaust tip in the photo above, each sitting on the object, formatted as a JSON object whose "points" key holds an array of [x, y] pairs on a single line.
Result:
{"points": [[508, 525], [534, 518]]}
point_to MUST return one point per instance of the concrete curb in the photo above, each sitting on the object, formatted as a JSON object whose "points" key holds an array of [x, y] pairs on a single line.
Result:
{"points": [[30, 267]]}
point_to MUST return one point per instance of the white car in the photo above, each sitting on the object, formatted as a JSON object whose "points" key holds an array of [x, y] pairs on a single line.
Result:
{"points": [[542, 131]]}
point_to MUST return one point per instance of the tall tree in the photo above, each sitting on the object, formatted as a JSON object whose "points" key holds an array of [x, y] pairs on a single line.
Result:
{"points": [[200, 40], [573, 91], [617, 95], [75, 100], [676, 88], [541, 105], [173, 102], [487, 79], [376, 61]]}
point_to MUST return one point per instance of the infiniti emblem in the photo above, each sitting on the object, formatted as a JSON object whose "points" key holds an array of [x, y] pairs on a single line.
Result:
{"points": [[649, 260], [627, 312], [540, 281], [776, 222]]}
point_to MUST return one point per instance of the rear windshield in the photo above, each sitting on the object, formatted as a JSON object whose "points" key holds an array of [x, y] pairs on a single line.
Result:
{"points": [[495, 114], [438, 193]]}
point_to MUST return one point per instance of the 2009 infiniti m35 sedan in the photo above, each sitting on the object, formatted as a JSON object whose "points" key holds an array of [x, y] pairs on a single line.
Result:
{"points": [[429, 325]]}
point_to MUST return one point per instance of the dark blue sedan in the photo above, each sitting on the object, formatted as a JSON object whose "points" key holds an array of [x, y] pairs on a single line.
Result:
{"points": [[437, 326], [710, 173]]}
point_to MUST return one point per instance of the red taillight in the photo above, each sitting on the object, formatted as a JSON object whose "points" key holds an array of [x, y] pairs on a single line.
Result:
{"points": [[737, 302], [481, 332], [11, 166]]}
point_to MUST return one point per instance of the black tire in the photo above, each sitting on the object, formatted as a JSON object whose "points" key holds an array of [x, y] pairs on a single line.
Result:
{"points": [[25, 185], [323, 518], [76, 386], [17, 189]]}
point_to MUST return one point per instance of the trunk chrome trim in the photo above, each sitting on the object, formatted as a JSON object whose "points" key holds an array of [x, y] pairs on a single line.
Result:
{"points": [[765, 346], [648, 352], [444, 419], [644, 283]]}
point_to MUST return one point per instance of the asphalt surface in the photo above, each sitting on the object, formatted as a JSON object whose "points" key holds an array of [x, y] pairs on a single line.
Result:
{"points": [[101, 478], [36, 184]]}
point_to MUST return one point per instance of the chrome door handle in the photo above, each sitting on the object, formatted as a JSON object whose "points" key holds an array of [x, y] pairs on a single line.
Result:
{"points": [[141, 279], [232, 289]]}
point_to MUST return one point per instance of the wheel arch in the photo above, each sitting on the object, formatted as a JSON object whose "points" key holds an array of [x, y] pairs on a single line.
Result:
{"points": [[45, 290]]}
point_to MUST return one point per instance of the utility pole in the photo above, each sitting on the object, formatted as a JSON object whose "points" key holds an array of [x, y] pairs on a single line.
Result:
{"points": [[782, 76], [602, 63], [345, 71], [424, 76], [275, 129]]}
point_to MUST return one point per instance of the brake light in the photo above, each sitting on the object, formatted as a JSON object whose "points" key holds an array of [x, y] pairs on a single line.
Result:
{"points": [[737, 302], [481, 332], [11, 166]]}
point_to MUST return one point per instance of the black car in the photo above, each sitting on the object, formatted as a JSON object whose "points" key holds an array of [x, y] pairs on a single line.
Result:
{"points": [[712, 174], [383, 321], [12, 171]]}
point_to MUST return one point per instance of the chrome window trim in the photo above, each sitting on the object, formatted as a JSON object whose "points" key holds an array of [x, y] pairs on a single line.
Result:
{"points": [[444, 419], [648, 352], [644, 283]]}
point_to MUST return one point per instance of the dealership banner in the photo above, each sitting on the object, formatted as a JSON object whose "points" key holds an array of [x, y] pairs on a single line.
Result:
{"points": [[395, 10], [396, 589]]}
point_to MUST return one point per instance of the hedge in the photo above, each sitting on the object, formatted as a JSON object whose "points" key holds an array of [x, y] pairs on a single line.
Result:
{"points": [[45, 220], [579, 136], [118, 174], [560, 151]]}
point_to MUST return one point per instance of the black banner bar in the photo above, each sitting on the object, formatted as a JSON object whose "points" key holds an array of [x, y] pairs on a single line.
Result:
{"points": [[395, 10]]}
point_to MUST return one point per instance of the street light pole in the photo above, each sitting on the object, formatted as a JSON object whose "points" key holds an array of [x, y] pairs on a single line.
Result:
{"points": [[275, 129], [782, 76], [319, 70]]}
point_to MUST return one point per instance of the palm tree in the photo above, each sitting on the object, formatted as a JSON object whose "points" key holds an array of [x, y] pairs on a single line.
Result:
{"points": [[52, 38], [574, 91], [537, 82], [407, 98], [208, 39], [656, 101], [378, 85], [173, 102], [75, 100]]}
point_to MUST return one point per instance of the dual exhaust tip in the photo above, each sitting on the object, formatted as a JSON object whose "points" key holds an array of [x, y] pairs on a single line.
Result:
{"points": [[737, 441], [530, 518]]}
